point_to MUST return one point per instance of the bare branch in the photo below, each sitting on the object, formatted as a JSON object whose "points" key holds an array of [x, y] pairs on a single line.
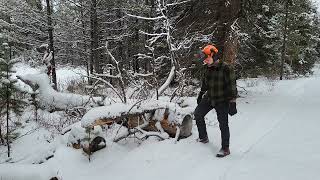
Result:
{"points": [[106, 75], [108, 84], [168, 81], [153, 34], [122, 85], [178, 3], [146, 18], [142, 75]]}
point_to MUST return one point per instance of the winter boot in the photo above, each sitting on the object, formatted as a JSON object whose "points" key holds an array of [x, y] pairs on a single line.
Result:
{"points": [[223, 152], [203, 140]]}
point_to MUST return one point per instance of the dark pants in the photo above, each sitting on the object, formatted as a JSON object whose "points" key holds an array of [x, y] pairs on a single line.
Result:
{"points": [[222, 113]]}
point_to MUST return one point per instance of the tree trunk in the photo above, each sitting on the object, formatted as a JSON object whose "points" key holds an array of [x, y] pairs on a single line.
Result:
{"points": [[51, 47], [227, 40], [7, 110], [1, 136], [284, 43], [87, 61], [122, 53], [94, 58]]}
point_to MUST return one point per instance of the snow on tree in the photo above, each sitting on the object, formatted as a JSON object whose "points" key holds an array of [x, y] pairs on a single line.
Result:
{"points": [[10, 104], [285, 36], [24, 24], [49, 98]]}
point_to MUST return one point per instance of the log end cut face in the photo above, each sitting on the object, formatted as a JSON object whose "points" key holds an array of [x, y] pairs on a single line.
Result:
{"points": [[186, 127]]}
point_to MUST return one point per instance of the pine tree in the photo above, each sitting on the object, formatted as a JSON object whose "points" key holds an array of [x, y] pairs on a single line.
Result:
{"points": [[258, 53], [303, 37], [2, 54], [24, 24], [9, 102], [278, 35]]}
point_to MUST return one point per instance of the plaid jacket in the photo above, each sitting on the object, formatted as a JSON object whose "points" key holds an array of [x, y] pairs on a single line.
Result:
{"points": [[220, 83]]}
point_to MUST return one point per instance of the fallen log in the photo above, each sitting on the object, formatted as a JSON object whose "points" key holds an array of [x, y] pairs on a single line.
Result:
{"points": [[135, 120], [149, 116]]}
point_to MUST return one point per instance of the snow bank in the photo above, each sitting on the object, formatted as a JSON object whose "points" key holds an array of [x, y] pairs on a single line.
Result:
{"points": [[76, 133], [66, 75], [21, 69], [79, 133], [50, 98], [26, 172], [176, 113]]}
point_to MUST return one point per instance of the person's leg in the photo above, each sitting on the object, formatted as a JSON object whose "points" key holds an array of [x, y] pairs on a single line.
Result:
{"points": [[200, 112], [222, 114]]}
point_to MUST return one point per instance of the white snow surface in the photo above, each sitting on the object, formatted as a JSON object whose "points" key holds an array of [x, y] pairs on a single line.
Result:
{"points": [[27, 172], [275, 135], [64, 74], [50, 98]]}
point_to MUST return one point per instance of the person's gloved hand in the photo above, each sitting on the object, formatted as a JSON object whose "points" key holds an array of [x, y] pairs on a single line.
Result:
{"points": [[200, 97], [232, 108]]}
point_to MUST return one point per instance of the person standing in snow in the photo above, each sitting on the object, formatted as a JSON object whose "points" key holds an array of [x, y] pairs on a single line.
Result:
{"points": [[218, 91]]}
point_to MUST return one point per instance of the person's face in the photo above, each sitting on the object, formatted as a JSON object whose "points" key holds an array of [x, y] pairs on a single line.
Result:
{"points": [[208, 61]]}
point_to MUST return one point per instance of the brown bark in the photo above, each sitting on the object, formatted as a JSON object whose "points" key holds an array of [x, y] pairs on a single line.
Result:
{"points": [[213, 17], [284, 42], [7, 111], [227, 38], [1, 137], [87, 61], [94, 56], [51, 47]]}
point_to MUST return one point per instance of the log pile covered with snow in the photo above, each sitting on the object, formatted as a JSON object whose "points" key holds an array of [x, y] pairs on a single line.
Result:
{"points": [[144, 116]]}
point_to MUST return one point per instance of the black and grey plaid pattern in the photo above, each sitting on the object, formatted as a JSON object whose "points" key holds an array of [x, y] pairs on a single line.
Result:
{"points": [[220, 83]]}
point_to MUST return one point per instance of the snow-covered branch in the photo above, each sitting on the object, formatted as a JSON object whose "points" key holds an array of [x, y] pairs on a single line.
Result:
{"points": [[146, 18], [106, 75], [167, 83], [178, 3], [109, 85], [142, 75], [50, 98], [153, 34], [122, 85], [143, 56]]}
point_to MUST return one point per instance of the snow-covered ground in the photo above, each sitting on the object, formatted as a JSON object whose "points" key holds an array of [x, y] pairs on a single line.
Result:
{"points": [[273, 136]]}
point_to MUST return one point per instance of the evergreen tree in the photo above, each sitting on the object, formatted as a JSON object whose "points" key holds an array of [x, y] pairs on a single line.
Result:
{"points": [[259, 53], [24, 24], [303, 36], [9, 102], [276, 32]]}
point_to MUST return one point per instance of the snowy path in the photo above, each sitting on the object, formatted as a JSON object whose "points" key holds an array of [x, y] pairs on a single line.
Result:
{"points": [[274, 136], [288, 147]]}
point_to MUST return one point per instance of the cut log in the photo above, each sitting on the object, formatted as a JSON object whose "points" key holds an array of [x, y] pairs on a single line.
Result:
{"points": [[156, 116], [136, 120], [76, 145], [171, 128], [95, 145]]}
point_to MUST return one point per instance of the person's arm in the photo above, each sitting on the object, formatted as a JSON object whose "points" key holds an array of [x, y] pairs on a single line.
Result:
{"points": [[204, 88], [232, 91]]}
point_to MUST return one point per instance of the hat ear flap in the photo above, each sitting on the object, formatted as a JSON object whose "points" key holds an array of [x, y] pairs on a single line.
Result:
{"points": [[216, 57]]}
